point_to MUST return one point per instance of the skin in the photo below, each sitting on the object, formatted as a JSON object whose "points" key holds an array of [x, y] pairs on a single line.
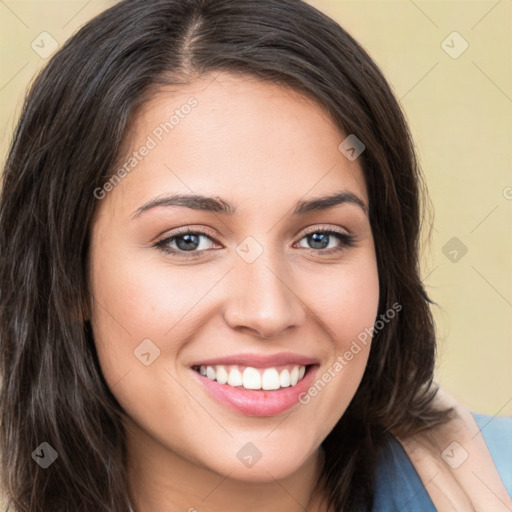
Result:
{"points": [[261, 147]]}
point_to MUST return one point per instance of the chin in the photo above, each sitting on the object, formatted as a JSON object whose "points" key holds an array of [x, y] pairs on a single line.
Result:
{"points": [[257, 462]]}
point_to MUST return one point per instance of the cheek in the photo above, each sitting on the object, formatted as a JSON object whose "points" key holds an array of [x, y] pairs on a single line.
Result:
{"points": [[139, 298], [358, 297], [142, 316], [346, 299], [359, 300], [347, 308]]}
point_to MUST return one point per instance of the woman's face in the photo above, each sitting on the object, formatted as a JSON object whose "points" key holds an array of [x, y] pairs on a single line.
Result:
{"points": [[265, 291]]}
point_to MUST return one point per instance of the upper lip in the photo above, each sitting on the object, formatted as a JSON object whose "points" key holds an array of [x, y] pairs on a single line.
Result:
{"points": [[259, 360]]}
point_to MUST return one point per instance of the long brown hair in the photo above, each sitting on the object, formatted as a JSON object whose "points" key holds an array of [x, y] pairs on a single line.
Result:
{"points": [[66, 145]]}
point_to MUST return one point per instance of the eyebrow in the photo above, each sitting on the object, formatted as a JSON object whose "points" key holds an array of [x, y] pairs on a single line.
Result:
{"points": [[219, 205]]}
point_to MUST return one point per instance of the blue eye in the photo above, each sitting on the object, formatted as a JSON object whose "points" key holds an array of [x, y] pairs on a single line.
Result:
{"points": [[188, 244], [185, 241], [320, 239]]}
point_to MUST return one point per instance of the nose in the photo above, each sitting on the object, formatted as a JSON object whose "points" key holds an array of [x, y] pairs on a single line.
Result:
{"points": [[263, 299]]}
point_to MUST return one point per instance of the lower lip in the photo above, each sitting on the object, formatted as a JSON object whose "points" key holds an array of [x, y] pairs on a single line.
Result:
{"points": [[258, 402]]}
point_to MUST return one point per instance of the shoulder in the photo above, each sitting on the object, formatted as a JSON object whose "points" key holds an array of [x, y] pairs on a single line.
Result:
{"points": [[497, 434], [399, 487], [397, 484]]}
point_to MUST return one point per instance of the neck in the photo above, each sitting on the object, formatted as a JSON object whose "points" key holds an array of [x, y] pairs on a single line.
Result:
{"points": [[161, 480]]}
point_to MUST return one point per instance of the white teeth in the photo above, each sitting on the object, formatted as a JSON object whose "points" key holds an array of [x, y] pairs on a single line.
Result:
{"points": [[235, 378], [252, 378], [270, 379], [284, 378], [222, 374], [210, 372], [294, 376]]}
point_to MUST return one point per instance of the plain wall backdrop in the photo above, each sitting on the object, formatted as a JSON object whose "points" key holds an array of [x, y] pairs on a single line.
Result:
{"points": [[450, 65]]}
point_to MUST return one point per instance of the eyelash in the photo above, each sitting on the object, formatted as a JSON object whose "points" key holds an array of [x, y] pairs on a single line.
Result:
{"points": [[346, 240]]}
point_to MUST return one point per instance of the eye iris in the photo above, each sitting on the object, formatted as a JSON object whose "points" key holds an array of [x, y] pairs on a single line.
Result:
{"points": [[191, 242], [319, 238]]}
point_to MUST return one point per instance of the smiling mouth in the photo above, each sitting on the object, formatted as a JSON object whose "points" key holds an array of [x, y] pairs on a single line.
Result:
{"points": [[250, 378]]}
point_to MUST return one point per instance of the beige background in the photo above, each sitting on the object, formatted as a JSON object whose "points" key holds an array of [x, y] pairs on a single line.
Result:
{"points": [[459, 110]]}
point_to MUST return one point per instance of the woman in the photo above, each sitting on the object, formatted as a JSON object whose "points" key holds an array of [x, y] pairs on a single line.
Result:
{"points": [[210, 290]]}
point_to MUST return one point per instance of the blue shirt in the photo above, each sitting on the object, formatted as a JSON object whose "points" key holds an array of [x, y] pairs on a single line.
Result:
{"points": [[398, 486]]}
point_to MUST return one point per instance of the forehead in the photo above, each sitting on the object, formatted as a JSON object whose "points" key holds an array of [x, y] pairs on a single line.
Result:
{"points": [[236, 137]]}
